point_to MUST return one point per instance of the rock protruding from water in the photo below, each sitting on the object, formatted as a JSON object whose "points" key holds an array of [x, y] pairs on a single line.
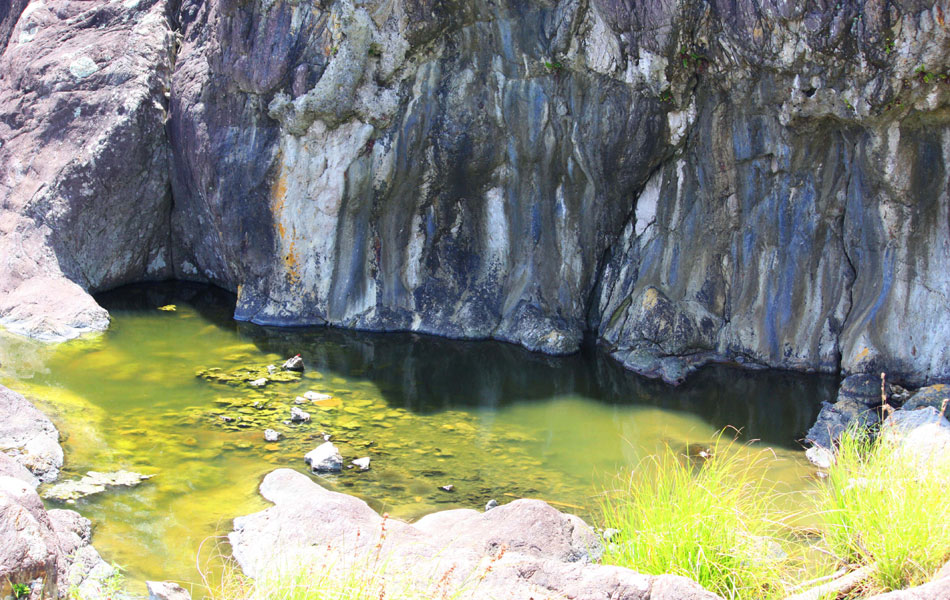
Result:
{"points": [[533, 550], [29, 437], [299, 416], [271, 435], [362, 463], [325, 458], [93, 482], [294, 363], [166, 590]]}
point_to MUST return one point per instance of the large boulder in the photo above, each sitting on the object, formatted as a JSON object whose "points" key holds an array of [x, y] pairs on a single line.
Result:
{"points": [[519, 550], [28, 436], [834, 419], [84, 184]]}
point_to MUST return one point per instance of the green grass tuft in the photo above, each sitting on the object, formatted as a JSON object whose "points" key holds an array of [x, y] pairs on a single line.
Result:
{"points": [[714, 521], [883, 507]]}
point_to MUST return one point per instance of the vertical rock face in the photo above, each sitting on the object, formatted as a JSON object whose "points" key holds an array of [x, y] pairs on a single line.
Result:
{"points": [[83, 161], [389, 170], [803, 221], [689, 181]]}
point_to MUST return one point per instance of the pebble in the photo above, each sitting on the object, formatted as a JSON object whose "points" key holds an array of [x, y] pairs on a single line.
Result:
{"points": [[316, 396], [271, 436], [447, 488], [362, 463], [491, 504], [258, 382]]}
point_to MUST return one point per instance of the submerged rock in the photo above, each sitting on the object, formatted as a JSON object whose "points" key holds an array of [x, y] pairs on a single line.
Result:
{"points": [[325, 458], [534, 550], [93, 482]]}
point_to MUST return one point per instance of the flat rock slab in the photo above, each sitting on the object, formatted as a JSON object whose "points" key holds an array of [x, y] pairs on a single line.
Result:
{"points": [[93, 482], [29, 437], [522, 549]]}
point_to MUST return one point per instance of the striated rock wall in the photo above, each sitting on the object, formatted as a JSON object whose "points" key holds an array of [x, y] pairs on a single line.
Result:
{"points": [[687, 181]]}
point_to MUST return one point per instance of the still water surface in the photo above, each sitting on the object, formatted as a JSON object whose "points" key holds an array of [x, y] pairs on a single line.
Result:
{"points": [[491, 419]]}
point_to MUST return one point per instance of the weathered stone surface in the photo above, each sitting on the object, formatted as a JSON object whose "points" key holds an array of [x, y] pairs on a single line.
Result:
{"points": [[166, 590], [84, 185], [864, 388], [53, 547], [325, 458], [835, 419], [923, 433], [932, 396], [935, 590], [29, 437], [539, 546]]}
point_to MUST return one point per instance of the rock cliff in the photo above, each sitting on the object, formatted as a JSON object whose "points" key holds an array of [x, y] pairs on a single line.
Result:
{"points": [[686, 180]]}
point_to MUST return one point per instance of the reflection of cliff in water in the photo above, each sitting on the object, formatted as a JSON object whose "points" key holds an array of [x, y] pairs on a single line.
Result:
{"points": [[426, 373]]}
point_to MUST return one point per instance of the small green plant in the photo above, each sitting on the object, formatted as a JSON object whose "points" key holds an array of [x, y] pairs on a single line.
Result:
{"points": [[666, 96], [375, 50], [553, 66], [693, 59], [714, 521], [882, 506], [20, 590]]}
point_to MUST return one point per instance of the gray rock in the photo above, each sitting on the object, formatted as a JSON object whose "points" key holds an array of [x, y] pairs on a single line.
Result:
{"points": [[312, 396], [299, 416], [820, 456], [166, 590], [923, 433], [92, 483], [271, 436], [932, 396], [258, 383], [834, 419], [546, 552], [82, 118], [325, 458], [862, 389], [29, 437], [362, 463], [294, 363], [491, 504]]}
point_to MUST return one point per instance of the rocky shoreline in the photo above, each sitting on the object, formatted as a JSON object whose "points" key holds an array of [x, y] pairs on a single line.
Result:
{"points": [[49, 551]]}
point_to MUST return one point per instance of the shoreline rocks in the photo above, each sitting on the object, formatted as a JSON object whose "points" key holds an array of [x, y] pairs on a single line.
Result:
{"points": [[533, 550], [29, 437], [50, 550]]}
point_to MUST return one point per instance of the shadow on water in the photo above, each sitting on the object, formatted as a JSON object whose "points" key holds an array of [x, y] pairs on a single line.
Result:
{"points": [[428, 374]]}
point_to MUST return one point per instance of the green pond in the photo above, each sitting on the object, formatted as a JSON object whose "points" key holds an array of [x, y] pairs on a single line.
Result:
{"points": [[491, 419]]}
